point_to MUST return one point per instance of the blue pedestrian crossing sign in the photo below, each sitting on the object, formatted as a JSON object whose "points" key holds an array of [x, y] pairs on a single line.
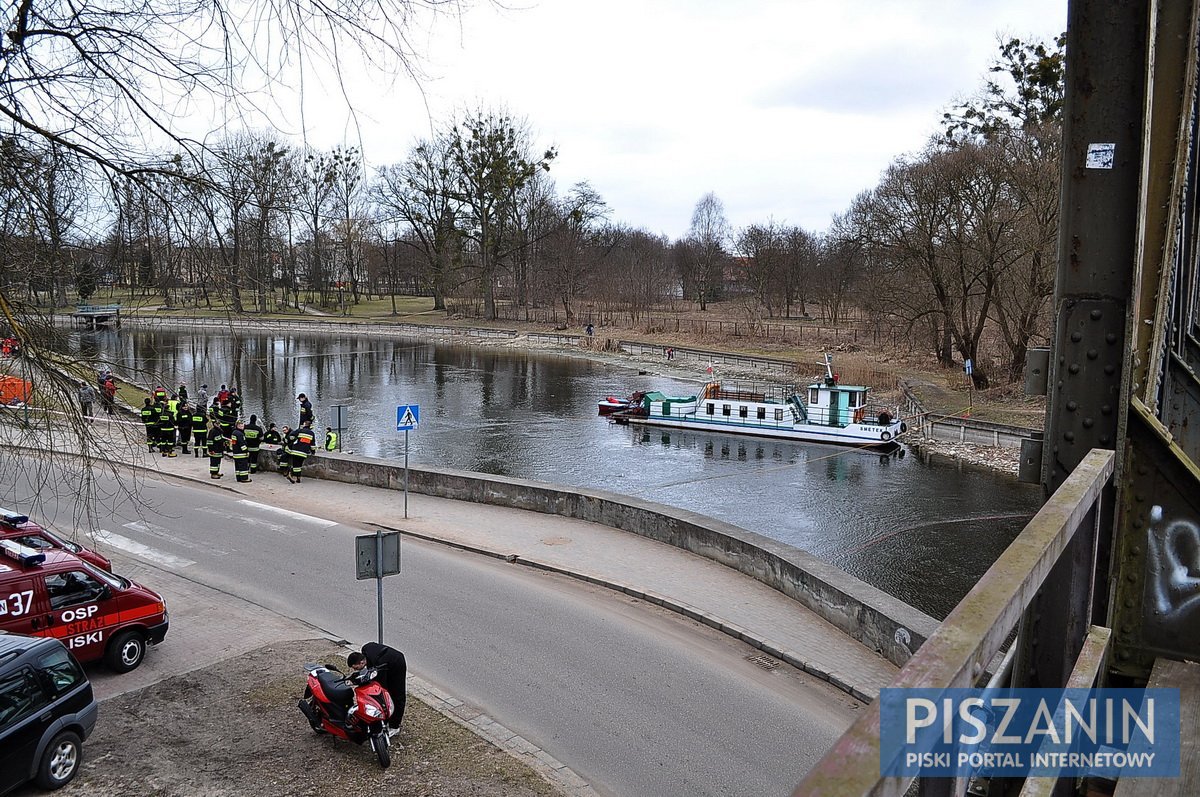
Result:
{"points": [[407, 417]]}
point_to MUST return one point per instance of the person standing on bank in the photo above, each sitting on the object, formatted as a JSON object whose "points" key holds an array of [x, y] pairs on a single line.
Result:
{"points": [[200, 430], [271, 436], [183, 423], [253, 433], [239, 452], [87, 397], [108, 395], [391, 677], [331, 439], [216, 449], [165, 424], [150, 419], [306, 410], [202, 397]]}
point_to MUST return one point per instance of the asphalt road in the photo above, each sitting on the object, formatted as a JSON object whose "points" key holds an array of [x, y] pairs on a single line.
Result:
{"points": [[637, 700]]}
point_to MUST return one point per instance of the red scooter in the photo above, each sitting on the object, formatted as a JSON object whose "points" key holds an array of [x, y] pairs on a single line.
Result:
{"points": [[353, 707]]}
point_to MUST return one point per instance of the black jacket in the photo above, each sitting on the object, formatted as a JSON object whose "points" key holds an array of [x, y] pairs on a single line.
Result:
{"points": [[396, 669]]}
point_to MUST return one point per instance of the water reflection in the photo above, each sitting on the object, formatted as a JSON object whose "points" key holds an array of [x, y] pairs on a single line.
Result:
{"points": [[919, 530]]}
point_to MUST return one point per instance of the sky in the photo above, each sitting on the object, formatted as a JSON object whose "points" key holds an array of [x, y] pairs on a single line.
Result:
{"points": [[785, 109]]}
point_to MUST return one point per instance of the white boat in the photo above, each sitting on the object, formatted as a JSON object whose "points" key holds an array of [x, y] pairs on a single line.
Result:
{"points": [[824, 412]]}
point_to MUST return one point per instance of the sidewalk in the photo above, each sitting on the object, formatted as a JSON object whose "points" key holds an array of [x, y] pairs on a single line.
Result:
{"points": [[675, 579]]}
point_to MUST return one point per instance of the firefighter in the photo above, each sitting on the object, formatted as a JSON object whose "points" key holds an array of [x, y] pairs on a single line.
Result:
{"points": [[254, 434], [183, 394], [183, 424], [200, 430], [166, 429], [331, 439], [149, 418], [285, 446], [239, 452], [301, 447], [306, 410], [227, 417], [216, 448], [235, 398], [271, 436]]}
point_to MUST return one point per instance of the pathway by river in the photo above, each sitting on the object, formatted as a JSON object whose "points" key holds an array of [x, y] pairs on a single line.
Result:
{"points": [[923, 531]]}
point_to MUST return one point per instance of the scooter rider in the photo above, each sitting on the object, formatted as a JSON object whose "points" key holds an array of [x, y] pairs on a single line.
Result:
{"points": [[393, 672]]}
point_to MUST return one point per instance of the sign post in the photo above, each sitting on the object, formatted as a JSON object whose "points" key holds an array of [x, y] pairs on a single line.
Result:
{"points": [[969, 367], [377, 555], [407, 418], [339, 417]]}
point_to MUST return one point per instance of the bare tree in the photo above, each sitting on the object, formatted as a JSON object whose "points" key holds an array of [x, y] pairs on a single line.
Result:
{"points": [[493, 161], [763, 247], [575, 244], [708, 237], [417, 193], [346, 191]]}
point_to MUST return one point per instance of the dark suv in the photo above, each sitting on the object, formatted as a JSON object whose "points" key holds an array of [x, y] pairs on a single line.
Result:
{"points": [[46, 711]]}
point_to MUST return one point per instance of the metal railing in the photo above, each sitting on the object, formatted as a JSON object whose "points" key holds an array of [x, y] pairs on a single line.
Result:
{"points": [[959, 651]]}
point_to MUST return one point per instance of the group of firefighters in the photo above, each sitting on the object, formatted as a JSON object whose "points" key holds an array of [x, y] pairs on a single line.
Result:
{"points": [[217, 428]]}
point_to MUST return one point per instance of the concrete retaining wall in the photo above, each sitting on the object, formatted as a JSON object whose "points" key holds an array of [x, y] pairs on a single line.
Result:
{"points": [[877, 620]]}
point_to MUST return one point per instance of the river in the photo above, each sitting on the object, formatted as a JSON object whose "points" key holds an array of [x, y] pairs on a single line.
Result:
{"points": [[924, 531]]}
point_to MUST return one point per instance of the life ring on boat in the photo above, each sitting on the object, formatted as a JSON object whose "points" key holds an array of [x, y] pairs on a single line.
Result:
{"points": [[903, 427], [885, 436]]}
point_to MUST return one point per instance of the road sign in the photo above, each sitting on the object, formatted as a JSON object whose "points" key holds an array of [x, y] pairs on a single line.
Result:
{"points": [[339, 416], [367, 558], [407, 417]]}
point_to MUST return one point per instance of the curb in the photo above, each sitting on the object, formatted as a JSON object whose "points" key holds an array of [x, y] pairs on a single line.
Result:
{"points": [[790, 657], [553, 771]]}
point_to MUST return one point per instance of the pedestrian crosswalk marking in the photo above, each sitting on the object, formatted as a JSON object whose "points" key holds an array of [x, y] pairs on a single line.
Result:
{"points": [[142, 551], [295, 515]]}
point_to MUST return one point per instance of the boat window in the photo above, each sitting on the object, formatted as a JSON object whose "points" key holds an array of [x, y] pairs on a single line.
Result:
{"points": [[812, 396], [743, 411], [725, 409], [779, 415], [708, 408], [762, 413], [855, 399]]}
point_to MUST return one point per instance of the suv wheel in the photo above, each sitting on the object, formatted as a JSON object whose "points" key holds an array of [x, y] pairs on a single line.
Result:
{"points": [[60, 762], [125, 651]]}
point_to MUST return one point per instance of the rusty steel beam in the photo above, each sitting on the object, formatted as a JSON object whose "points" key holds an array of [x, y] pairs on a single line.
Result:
{"points": [[955, 655]]}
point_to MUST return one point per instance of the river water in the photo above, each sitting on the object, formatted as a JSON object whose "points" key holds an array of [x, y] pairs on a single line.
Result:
{"points": [[922, 531]]}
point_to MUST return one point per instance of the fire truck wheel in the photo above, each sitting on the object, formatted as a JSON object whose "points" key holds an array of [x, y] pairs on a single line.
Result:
{"points": [[125, 651], [379, 743], [60, 762]]}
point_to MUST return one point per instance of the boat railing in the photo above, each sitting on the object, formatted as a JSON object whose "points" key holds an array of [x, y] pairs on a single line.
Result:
{"points": [[751, 392]]}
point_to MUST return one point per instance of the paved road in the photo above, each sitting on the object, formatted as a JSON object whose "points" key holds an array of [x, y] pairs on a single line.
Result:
{"points": [[636, 700]]}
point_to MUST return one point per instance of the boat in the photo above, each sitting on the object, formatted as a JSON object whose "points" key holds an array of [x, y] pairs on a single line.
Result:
{"points": [[610, 404], [825, 411]]}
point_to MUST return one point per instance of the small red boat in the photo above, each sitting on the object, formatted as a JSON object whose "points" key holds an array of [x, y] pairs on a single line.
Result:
{"points": [[611, 404]]}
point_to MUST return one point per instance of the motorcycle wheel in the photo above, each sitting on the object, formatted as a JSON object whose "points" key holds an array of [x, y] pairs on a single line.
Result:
{"points": [[379, 743]]}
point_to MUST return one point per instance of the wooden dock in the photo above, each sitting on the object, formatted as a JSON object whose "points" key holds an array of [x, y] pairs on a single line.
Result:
{"points": [[94, 316]]}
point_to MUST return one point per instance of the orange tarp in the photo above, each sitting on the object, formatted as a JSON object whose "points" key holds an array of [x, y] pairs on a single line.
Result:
{"points": [[14, 389]]}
